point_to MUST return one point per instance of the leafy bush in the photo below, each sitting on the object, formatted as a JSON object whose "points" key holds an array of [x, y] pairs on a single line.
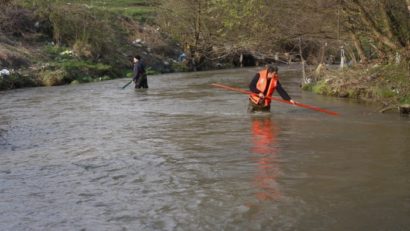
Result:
{"points": [[180, 67], [321, 88], [52, 78], [77, 69], [16, 81]]}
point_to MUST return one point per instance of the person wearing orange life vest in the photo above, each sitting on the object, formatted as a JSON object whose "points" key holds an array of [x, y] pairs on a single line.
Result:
{"points": [[263, 84]]}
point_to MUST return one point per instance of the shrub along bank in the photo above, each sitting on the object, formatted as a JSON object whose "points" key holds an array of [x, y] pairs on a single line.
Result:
{"points": [[387, 85]]}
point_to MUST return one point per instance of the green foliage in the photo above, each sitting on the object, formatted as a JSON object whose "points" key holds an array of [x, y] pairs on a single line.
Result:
{"points": [[321, 88], [84, 71], [54, 51], [84, 66], [89, 32], [92, 40], [69, 69], [138, 9], [129, 74], [53, 77], [16, 81], [394, 82], [85, 79], [58, 53], [141, 14], [308, 87], [180, 67], [405, 100], [75, 68], [150, 71], [74, 71], [378, 83], [384, 92]]}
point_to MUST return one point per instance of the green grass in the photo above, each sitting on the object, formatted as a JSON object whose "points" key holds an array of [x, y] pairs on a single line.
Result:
{"points": [[321, 88], [67, 68], [405, 100], [139, 9], [395, 82], [111, 3]]}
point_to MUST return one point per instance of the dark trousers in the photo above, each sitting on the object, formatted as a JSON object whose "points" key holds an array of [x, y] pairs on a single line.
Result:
{"points": [[142, 82], [252, 107]]}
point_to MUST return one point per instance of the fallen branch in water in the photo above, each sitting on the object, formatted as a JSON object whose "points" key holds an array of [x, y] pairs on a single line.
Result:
{"points": [[388, 109]]}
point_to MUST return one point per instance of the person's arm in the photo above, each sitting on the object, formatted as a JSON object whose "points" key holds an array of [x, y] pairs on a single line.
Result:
{"points": [[282, 92], [252, 85]]}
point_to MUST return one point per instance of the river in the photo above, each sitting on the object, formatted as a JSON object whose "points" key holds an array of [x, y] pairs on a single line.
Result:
{"points": [[184, 155]]}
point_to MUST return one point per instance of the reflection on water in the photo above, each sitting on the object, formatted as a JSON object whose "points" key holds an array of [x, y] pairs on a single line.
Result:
{"points": [[265, 148]]}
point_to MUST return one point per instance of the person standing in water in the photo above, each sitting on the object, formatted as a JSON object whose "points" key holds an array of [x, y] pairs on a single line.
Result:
{"points": [[139, 77], [263, 84]]}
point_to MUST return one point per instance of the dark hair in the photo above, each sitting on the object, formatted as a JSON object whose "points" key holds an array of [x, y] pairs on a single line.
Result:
{"points": [[137, 57], [272, 68]]}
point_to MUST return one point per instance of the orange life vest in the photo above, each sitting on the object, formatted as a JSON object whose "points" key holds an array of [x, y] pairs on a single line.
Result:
{"points": [[262, 85]]}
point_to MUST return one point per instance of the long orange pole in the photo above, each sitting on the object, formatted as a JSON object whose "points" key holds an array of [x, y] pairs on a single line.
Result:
{"points": [[277, 99]]}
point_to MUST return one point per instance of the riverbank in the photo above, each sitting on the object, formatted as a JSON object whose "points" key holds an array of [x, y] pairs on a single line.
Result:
{"points": [[386, 85], [68, 43]]}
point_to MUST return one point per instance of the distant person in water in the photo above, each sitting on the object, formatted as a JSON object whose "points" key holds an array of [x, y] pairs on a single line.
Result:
{"points": [[139, 77], [263, 84]]}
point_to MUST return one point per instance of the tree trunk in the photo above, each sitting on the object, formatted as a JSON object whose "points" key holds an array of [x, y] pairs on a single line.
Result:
{"points": [[304, 78], [385, 19], [372, 26], [359, 48], [352, 55]]}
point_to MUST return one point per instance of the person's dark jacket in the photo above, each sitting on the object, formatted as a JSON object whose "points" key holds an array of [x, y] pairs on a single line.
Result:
{"points": [[139, 70], [279, 88]]}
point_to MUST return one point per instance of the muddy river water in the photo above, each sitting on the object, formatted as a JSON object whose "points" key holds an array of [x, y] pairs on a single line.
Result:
{"points": [[184, 155]]}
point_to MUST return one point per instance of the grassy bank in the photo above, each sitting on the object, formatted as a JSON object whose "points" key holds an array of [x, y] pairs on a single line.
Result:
{"points": [[48, 43], [387, 85], [141, 10]]}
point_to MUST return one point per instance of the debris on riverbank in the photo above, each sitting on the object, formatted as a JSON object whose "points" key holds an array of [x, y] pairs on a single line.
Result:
{"points": [[386, 85]]}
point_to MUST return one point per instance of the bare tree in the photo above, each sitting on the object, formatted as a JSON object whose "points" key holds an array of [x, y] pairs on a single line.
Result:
{"points": [[187, 22], [213, 28], [384, 24]]}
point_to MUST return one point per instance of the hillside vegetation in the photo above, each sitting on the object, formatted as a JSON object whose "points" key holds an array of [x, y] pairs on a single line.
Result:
{"points": [[47, 43]]}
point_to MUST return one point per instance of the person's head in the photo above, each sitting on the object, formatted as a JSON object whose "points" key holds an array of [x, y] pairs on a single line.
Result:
{"points": [[272, 70], [137, 58]]}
